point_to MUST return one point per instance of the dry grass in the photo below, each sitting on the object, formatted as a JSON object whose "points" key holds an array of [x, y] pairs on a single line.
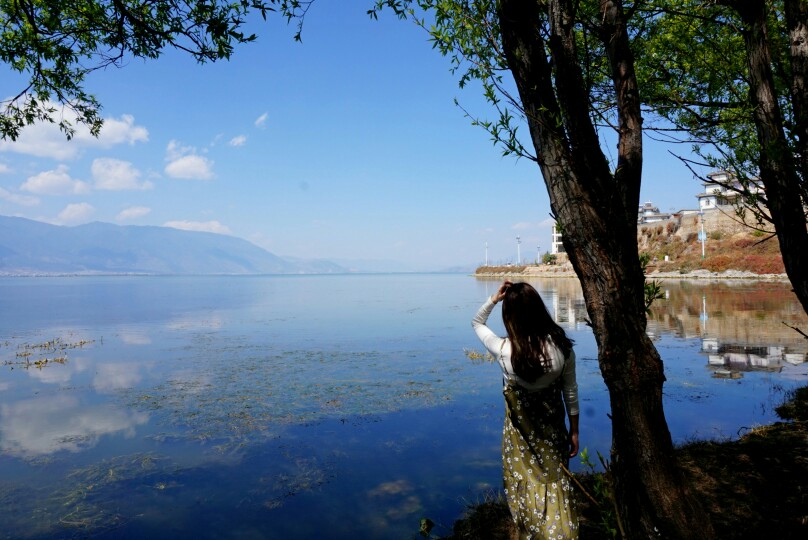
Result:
{"points": [[741, 251]]}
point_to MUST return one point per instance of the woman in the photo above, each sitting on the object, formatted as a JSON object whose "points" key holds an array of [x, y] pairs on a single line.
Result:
{"points": [[538, 365]]}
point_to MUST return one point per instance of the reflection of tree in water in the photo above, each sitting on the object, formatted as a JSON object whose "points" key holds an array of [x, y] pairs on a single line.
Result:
{"points": [[742, 325]]}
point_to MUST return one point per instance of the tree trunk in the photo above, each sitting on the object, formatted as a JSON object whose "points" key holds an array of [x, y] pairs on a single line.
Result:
{"points": [[597, 212], [797, 25], [785, 191]]}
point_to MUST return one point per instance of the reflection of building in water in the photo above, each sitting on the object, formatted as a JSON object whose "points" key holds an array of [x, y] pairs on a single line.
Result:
{"points": [[736, 358], [740, 325], [570, 311], [564, 300]]}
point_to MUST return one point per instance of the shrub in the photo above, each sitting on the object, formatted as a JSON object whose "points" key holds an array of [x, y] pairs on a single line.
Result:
{"points": [[743, 243], [762, 264], [691, 237], [670, 227], [718, 263], [507, 269], [715, 235]]}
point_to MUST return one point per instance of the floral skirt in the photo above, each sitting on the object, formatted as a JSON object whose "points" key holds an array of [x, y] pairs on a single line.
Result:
{"points": [[534, 447]]}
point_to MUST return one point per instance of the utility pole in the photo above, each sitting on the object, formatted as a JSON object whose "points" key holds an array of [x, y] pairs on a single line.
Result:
{"points": [[486, 253], [702, 234], [518, 250]]}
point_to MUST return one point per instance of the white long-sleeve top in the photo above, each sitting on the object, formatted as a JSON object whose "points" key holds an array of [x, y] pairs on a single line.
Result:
{"points": [[501, 349]]}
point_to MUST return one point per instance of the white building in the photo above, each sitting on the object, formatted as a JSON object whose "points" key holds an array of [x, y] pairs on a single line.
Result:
{"points": [[718, 195], [648, 213], [556, 245]]}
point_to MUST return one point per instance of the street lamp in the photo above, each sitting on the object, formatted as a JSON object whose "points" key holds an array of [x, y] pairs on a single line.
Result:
{"points": [[702, 234], [518, 250]]}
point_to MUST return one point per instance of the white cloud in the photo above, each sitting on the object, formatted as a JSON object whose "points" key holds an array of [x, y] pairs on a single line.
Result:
{"points": [[4, 169], [55, 182], [22, 200], [190, 168], [116, 175], [115, 131], [75, 213], [239, 140], [45, 140], [184, 162], [547, 222], [133, 212], [199, 226], [175, 150], [261, 120]]}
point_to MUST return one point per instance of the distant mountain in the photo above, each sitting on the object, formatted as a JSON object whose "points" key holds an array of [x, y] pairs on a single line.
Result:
{"points": [[374, 266], [33, 247]]}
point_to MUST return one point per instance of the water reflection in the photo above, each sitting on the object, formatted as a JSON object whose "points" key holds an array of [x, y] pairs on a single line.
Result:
{"points": [[742, 326], [563, 297], [37, 427], [273, 407], [111, 377]]}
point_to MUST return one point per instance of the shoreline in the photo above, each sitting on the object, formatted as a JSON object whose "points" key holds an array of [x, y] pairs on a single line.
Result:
{"points": [[567, 272], [750, 487]]}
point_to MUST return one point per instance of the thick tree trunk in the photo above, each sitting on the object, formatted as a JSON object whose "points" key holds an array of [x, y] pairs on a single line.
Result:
{"points": [[797, 24], [597, 211], [785, 191]]}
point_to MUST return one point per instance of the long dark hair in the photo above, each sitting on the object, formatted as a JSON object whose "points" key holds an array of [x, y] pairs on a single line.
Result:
{"points": [[530, 327]]}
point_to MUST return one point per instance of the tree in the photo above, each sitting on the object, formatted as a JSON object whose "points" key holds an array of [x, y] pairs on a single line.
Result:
{"points": [[741, 96], [573, 68], [55, 44], [572, 65], [597, 208]]}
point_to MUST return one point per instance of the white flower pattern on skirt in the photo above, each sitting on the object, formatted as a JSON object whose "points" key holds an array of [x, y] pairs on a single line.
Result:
{"points": [[534, 446]]}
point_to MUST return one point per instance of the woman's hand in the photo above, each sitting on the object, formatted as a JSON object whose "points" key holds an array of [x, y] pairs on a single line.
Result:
{"points": [[573, 445], [573, 440], [500, 294]]}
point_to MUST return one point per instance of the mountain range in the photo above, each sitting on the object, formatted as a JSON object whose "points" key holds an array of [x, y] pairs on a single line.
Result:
{"points": [[30, 247]]}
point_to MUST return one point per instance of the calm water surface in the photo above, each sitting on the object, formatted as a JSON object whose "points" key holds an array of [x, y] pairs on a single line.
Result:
{"points": [[318, 406]]}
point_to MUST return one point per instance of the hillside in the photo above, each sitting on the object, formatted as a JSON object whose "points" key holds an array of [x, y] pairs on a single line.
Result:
{"points": [[32, 247], [729, 246]]}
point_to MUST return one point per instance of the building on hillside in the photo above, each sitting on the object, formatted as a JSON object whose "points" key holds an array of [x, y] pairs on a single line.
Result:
{"points": [[557, 245], [718, 191], [648, 213]]}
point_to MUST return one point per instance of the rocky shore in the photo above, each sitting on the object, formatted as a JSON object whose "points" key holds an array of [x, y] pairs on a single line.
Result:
{"points": [[566, 271]]}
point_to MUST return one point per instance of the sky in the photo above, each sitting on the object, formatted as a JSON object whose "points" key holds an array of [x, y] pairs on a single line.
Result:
{"points": [[345, 146]]}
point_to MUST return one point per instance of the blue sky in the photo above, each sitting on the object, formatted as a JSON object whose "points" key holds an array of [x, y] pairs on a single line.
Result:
{"points": [[347, 146]]}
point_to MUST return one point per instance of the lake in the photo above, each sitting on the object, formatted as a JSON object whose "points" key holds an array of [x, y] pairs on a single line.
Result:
{"points": [[344, 406]]}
